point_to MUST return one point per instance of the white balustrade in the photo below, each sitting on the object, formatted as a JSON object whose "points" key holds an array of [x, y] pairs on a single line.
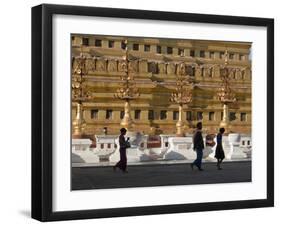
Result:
{"points": [[180, 148], [136, 152], [105, 146], [81, 152], [235, 146], [236, 151], [81, 144]]}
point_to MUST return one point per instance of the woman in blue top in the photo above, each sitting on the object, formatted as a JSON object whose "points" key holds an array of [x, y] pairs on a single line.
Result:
{"points": [[219, 149]]}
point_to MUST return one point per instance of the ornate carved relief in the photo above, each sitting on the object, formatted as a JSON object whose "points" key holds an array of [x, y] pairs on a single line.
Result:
{"points": [[238, 74], [171, 67], [203, 71], [112, 65], [198, 71], [133, 66], [143, 66], [247, 74], [216, 71], [181, 69], [209, 71], [190, 70], [101, 65], [152, 67], [122, 65], [231, 73], [162, 68], [90, 64]]}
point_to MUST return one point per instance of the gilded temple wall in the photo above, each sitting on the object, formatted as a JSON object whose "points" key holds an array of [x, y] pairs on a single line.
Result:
{"points": [[154, 65]]}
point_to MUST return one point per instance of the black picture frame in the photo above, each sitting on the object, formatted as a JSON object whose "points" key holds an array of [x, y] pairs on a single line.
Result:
{"points": [[42, 111]]}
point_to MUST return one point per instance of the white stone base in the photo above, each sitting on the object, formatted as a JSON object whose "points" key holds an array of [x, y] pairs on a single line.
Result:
{"points": [[133, 155], [154, 153], [172, 148], [81, 152], [238, 153], [226, 147], [84, 157], [115, 156], [136, 152], [179, 148], [247, 151], [207, 153], [81, 144]]}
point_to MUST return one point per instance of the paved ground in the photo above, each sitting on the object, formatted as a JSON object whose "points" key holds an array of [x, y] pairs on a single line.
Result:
{"points": [[159, 175]]}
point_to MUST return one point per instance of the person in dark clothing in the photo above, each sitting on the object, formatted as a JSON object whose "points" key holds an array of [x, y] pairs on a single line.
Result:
{"points": [[124, 144], [198, 146], [219, 155]]}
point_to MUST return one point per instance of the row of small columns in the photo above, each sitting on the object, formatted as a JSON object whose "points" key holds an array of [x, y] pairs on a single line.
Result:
{"points": [[144, 116]]}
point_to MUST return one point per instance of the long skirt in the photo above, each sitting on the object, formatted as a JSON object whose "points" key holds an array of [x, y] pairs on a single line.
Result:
{"points": [[219, 152], [122, 164]]}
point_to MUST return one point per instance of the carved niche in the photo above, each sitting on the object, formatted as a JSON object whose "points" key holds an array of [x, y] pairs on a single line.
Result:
{"points": [[101, 64], [112, 65], [122, 65], [246, 74], [152, 67], [209, 71], [199, 70], [90, 64], [231, 73], [181, 69], [238, 74], [133, 66], [190, 69], [216, 71], [171, 67], [143, 66], [162, 68]]}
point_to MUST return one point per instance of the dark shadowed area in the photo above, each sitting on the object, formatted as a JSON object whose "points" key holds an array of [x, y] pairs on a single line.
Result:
{"points": [[159, 175]]}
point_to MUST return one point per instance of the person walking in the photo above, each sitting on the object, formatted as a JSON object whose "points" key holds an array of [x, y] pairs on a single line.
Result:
{"points": [[198, 146], [124, 144], [219, 155]]}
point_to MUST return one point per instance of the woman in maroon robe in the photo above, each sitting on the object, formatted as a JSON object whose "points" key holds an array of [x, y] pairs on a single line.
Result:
{"points": [[122, 164]]}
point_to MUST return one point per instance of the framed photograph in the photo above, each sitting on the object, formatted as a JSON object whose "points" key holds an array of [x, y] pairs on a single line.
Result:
{"points": [[146, 112]]}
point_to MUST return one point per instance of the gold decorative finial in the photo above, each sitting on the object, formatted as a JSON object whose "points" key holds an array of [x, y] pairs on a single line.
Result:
{"points": [[226, 57], [181, 96], [80, 92], [128, 91], [225, 93]]}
